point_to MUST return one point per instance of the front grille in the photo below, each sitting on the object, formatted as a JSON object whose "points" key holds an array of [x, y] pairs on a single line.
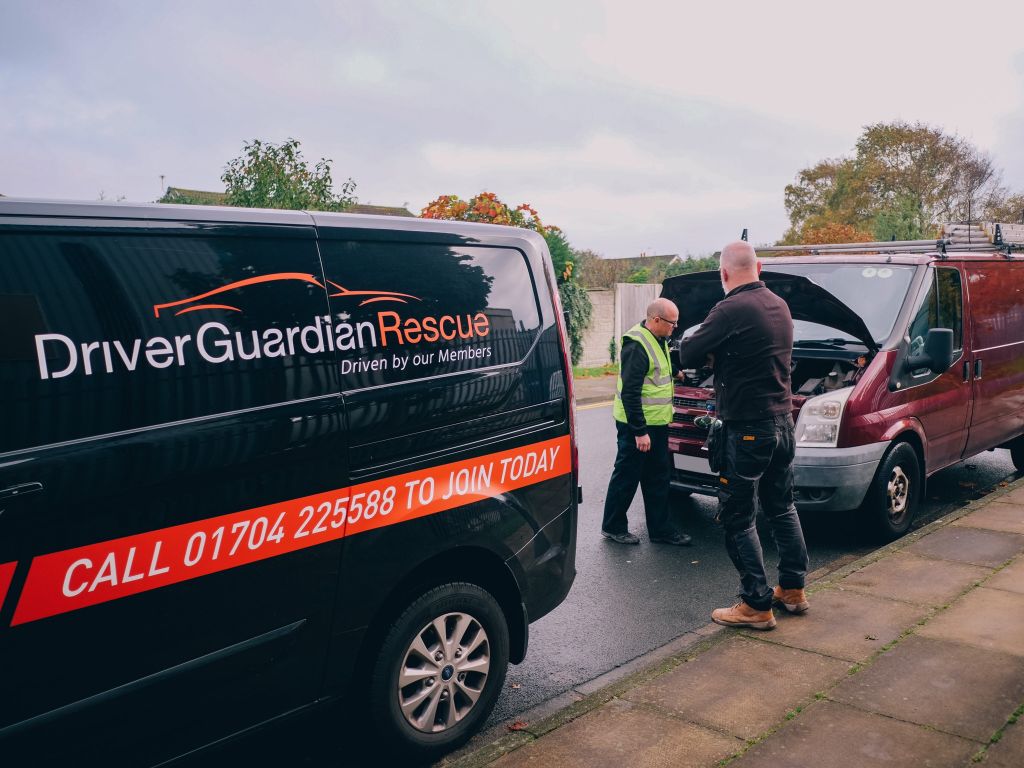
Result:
{"points": [[690, 402]]}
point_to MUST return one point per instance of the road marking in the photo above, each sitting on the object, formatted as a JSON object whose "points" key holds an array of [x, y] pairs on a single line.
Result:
{"points": [[593, 405]]}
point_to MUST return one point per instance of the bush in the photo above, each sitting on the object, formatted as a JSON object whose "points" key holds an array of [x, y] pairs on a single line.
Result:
{"points": [[576, 303]]}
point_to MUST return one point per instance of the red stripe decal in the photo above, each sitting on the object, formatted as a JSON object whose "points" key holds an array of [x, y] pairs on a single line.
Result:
{"points": [[96, 573], [6, 574]]}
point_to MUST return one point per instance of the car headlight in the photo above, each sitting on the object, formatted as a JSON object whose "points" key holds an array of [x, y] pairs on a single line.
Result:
{"points": [[819, 419]]}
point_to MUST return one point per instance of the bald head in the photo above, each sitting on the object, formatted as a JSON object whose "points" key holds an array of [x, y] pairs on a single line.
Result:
{"points": [[662, 316], [738, 265]]}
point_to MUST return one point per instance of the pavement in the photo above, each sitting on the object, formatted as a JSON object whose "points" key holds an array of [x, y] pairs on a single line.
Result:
{"points": [[910, 656], [594, 389]]}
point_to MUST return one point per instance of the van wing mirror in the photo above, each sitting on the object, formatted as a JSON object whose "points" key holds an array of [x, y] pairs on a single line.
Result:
{"points": [[937, 354]]}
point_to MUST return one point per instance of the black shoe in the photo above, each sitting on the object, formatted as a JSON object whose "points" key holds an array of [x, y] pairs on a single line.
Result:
{"points": [[621, 538], [676, 538]]}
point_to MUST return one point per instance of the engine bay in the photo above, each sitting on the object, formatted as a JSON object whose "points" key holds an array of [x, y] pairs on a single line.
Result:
{"points": [[810, 376]]}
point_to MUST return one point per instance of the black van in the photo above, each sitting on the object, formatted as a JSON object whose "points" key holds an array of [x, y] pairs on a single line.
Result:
{"points": [[253, 463]]}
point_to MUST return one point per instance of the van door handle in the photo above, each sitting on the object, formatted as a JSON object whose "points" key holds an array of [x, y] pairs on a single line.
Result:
{"points": [[967, 371], [977, 369], [16, 491]]}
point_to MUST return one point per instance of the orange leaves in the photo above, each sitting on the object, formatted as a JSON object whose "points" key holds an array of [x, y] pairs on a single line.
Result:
{"points": [[835, 233], [486, 208]]}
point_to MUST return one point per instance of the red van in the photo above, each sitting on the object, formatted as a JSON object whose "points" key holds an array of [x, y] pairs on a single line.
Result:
{"points": [[904, 362]]}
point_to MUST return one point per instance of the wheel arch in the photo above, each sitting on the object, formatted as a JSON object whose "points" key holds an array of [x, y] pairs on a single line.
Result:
{"points": [[474, 565]]}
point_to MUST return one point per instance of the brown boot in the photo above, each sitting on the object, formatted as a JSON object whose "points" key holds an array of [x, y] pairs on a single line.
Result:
{"points": [[742, 615], [793, 600]]}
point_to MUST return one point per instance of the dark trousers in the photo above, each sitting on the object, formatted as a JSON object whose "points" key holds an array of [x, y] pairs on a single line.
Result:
{"points": [[759, 462], [651, 471]]}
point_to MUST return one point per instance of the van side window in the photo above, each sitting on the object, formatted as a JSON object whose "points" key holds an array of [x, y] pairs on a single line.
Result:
{"points": [[404, 311], [110, 331], [941, 308]]}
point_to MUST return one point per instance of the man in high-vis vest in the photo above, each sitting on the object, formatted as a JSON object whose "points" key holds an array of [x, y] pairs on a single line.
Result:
{"points": [[643, 411]]}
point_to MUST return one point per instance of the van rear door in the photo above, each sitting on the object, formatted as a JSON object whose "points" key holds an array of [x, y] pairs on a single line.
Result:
{"points": [[167, 403]]}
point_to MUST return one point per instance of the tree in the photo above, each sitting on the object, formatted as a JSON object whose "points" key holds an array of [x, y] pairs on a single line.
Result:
{"points": [[691, 264], [270, 175], [836, 233], [488, 209], [562, 257], [1010, 210], [903, 179]]}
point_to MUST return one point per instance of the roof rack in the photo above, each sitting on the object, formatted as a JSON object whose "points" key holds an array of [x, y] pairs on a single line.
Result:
{"points": [[885, 246]]}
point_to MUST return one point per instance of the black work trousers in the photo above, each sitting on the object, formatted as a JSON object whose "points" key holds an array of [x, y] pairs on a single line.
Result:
{"points": [[759, 465], [651, 471]]}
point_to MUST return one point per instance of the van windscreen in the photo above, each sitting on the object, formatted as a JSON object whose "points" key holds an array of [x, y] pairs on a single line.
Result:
{"points": [[873, 291]]}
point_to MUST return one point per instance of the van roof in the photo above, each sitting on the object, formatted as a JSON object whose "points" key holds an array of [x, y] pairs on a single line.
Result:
{"points": [[74, 209]]}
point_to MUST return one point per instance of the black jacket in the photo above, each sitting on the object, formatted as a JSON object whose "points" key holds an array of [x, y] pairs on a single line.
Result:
{"points": [[750, 333], [633, 366]]}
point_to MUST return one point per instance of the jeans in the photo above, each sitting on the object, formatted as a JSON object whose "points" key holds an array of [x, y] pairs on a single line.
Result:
{"points": [[651, 471], [759, 462]]}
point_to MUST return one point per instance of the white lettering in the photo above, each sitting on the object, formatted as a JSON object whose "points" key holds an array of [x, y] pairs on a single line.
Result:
{"points": [[68, 591], [225, 345], [159, 352], [41, 339], [317, 333], [154, 569], [129, 362]]}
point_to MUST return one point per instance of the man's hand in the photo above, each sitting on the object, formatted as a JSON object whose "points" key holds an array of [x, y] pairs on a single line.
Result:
{"points": [[643, 443]]}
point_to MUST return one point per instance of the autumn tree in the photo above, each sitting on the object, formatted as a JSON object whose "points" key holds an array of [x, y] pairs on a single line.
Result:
{"points": [[488, 209], [268, 175], [902, 180]]}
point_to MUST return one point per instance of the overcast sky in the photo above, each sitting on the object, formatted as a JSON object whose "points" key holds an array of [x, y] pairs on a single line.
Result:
{"points": [[658, 127]]}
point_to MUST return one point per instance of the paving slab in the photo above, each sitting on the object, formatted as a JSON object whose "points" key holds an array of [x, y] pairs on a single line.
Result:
{"points": [[622, 735], [1010, 579], [997, 516], [832, 735], [1009, 751], [845, 624], [985, 618], [940, 684], [742, 687], [969, 545], [922, 580], [1014, 497]]}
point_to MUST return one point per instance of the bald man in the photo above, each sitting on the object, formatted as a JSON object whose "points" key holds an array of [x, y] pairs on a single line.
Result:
{"points": [[749, 335], [643, 411]]}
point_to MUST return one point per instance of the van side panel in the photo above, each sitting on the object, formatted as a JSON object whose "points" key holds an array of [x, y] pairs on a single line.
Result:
{"points": [[996, 291], [134, 397]]}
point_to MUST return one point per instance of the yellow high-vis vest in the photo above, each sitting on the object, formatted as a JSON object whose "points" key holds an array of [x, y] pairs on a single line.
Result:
{"points": [[656, 393]]}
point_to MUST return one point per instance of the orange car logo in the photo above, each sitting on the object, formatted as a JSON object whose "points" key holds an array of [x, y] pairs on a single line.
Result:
{"points": [[199, 302]]}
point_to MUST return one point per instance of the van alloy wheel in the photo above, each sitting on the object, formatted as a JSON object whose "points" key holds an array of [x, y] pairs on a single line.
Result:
{"points": [[438, 671], [444, 672], [898, 493]]}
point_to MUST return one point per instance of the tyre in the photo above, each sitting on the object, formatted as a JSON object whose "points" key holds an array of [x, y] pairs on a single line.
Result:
{"points": [[892, 499], [440, 670], [1017, 455]]}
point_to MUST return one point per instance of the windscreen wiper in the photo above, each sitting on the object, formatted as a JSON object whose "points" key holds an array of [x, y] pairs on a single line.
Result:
{"points": [[836, 342]]}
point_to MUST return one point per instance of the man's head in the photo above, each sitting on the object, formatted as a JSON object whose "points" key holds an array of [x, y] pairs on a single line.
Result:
{"points": [[738, 265], [662, 317]]}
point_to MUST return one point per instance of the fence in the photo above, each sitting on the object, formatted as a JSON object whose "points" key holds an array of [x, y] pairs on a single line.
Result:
{"points": [[615, 312]]}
